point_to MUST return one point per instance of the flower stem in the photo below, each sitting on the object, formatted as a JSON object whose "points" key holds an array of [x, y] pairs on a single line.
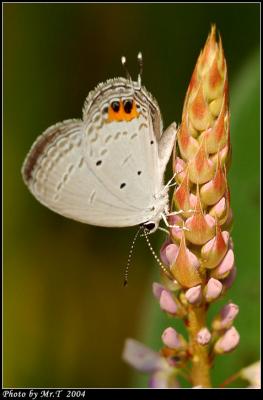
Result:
{"points": [[200, 373], [230, 379]]}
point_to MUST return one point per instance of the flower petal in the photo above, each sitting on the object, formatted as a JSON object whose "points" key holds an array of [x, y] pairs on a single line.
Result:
{"points": [[252, 374], [141, 357], [163, 379]]}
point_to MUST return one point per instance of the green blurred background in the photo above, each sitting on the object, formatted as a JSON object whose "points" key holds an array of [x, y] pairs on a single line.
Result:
{"points": [[66, 314]]}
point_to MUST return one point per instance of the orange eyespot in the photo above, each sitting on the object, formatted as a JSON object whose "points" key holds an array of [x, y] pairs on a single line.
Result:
{"points": [[122, 110]]}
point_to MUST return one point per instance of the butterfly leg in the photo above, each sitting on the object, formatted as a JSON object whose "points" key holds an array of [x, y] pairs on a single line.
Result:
{"points": [[172, 226], [163, 230], [180, 212]]}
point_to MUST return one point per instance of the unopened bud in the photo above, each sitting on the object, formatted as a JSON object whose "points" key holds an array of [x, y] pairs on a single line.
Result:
{"points": [[157, 290], [203, 336], [171, 252], [194, 294], [173, 339], [213, 289], [226, 317], [227, 342], [167, 302], [229, 280], [225, 266]]}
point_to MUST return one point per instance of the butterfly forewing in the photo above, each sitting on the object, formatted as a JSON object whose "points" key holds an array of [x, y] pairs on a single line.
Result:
{"points": [[100, 171]]}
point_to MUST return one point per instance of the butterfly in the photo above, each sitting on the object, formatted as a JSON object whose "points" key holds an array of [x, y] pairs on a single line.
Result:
{"points": [[106, 169]]}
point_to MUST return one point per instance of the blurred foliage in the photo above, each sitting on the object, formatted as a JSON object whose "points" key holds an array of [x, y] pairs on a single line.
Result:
{"points": [[66, 315]]}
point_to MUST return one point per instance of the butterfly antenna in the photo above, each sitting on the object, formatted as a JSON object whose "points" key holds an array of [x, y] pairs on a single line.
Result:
{"points": [[165, 270], [128, 76], [124, 64], [126, 271], [140, 62]]}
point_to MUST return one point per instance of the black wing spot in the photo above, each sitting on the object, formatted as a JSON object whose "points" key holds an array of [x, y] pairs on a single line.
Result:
{"points": [[115, 105], [143, 125], [127, 105], [98, 162], [122, 185], [134, 136], [152, 142], [139, 172]]}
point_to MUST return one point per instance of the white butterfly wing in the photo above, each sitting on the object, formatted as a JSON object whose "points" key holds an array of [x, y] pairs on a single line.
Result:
{"points": [[101, 171], [62, 175], [124, 156]]}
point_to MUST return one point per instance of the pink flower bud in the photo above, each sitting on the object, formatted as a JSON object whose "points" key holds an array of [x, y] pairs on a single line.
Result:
{"points": [[182, 196], [225, 266], [193, 201], [201, 228], [199, 111], [157, 290], [171, 252], [228, 341], [214, 251], [177, 222], [229, 220], [172, 339], [219, 210], [213, 289], [203, 336], [229, 280], [226, 317], [201, 168], [187, 144], [222, 211], [212, 191], [185, 267], [167, 302], [194, 294], [223, 155], [216, 137], [179, 168], [163, 257]]}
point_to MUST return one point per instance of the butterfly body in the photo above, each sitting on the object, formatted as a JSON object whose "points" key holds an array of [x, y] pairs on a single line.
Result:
{"points": [[107, 168]]}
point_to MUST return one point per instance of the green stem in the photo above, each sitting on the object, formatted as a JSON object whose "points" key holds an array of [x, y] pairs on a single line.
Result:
{"points": [[200, 372]]}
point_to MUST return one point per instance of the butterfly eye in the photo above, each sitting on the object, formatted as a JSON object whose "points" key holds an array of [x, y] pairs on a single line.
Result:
{"points": [[128, 104], [115, 105]]}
